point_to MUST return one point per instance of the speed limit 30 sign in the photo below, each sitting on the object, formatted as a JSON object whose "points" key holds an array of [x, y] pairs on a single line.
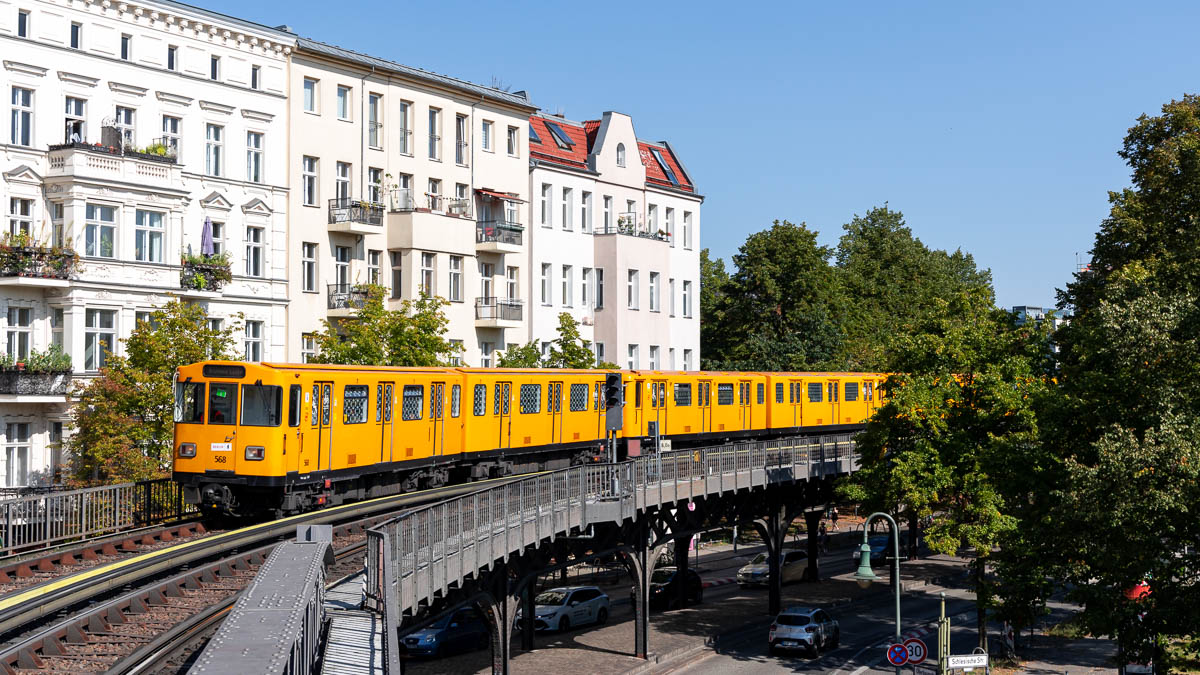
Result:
{"points": [[916, 651]]}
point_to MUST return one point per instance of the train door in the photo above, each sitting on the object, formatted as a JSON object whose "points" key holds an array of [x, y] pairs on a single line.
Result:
{"points": [[704, 388], [383, 416], [502, 412], [554, 407], [659, 400], [832, 394], [324, 431], [437, 421], [794, 394], [744, 403]]}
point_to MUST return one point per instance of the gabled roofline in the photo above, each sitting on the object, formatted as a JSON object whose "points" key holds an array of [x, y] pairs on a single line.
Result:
{"points": [[281, 35], [684, 169], [550, 164]]}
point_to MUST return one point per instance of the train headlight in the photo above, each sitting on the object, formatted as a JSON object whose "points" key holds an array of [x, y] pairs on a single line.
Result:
{"points": [[187, 449], [254, 452]]}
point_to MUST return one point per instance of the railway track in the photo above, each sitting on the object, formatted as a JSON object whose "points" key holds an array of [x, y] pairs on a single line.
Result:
{"points": [[138, 614]]}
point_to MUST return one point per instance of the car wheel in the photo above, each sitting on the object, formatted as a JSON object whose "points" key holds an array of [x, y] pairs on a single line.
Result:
{"points": [[602, 616], [564, 625]]}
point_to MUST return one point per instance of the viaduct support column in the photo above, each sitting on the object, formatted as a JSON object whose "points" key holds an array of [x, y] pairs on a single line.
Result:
{"points": [[640, 568], [681, 571], [812, 523], [527, 615], [501, 608], [773, 530]]}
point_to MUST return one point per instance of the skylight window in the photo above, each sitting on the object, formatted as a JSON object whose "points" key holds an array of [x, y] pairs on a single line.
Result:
{"points": [[560, 136], [666, 169], [533, 135]]}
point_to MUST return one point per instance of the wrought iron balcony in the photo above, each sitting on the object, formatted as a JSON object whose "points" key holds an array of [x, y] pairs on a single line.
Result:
{"points": [[630, 228], [346, 296], [498, 232], [343, 210], [36, 262], [29, 383], [502, 309], [204, 273]]}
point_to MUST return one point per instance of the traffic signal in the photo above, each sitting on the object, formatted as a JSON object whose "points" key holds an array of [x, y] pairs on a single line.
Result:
{"points": [[612, 390]]}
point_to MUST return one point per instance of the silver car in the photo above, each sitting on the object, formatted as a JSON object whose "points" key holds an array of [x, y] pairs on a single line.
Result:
{"points": [[803, 628], [756, 573], [560, 608]]}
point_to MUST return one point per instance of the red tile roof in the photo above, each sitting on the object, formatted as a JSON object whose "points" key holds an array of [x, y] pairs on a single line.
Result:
{"points": [[547, 149], [591, 127], [654, 173]]}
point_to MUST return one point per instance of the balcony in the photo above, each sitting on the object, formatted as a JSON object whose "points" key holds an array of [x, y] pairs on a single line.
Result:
{"points": [[153, 166], [498, 313], [22, 264], [24, 386], [498, 236], [628, 224], [354, 216], [434, 223], [344, 299], [203, 276]]}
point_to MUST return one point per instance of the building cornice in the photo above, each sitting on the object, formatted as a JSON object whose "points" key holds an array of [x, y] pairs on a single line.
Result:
{"points": [[25, 68], [76, 78], [127, 89]]}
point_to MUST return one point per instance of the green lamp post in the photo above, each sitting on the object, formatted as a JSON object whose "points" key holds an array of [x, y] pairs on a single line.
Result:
{"points": [[865, 575]]}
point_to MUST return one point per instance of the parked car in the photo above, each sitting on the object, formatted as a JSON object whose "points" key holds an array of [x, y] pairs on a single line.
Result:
{"points": [[803, 628], [463, 630], [881, 549], [665, 582], [560, 608], [756, 572]]}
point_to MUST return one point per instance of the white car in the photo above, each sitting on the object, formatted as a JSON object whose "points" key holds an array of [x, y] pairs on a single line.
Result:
{"points": [[756, 572], [560, 608], [803, 628]]}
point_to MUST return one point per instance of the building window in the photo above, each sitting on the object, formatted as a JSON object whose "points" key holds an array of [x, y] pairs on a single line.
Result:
{"points": [[567, 293], [253, 342], [57, 319], [308, 348], [255, 77], [547, 191], [75, 120], [546, 281], [568, 206], [76, 35], [375, 185], [148, 236], [100, 231], [22, 23], [653, 357], [687, 359], [341, 267], [126, 47], [22, 117], [585, 279], [171, 137], [671, 296], [397, 274], [373, 125], [485, 135], [254, 251], [671, 226], [512, 275], [632, 363], [99, 338], [620, 154], [373, 266], [214, 149], [687, 229], [214, 68], [57, 232], [687, 299], [599, 353], [456, 263], [16, 453], [20, 216], [608, 205], [435, 137], [427, 273], [254, 156], [309, 180], [20, 331], [456, 349], [341, 182], [172, 57], [435, 194], [599, 288], [405, 128], [561, 139], [343, 102], [652, 218], [513, 140], [631, 290], [486, 272], [585, 212], [460, 140], [486, 350], [218, 230], [671, 358], [654, 307], [308, 267], [310, 95], [125, 125]]}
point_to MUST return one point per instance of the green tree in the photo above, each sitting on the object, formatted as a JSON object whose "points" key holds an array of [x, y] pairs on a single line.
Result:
{"points": [[412, 335], [568, 350], [522, 356], [122, 421], [714, 284]]}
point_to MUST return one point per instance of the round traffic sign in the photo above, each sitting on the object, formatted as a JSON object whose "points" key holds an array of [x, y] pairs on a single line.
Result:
{"points": [[897, 654], [916, 651]]}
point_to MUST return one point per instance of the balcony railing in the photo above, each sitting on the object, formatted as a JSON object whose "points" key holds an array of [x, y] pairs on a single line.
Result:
{"points": [[459, 207], [498, 231], [347, 296], [41, 262], [504, 309], [160, 150], [205, 273], [401, 199], [405, 141], [343, 210], [28, 383], [435, 146], [460, 152], [374, 133], [630, 228]]}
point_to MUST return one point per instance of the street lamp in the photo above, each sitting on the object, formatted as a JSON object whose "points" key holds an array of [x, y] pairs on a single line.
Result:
{"points": [[865, 575]]}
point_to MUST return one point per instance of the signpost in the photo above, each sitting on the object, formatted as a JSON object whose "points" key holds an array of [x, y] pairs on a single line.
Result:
{"points": [[967, 661], [897, 654], [916, 651]]}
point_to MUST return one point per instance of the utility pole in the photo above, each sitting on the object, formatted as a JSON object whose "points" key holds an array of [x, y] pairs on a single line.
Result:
{"points": [[943, 638]]}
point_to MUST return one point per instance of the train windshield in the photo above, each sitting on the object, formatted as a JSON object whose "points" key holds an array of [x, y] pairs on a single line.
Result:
{"points": [[262, 405], [222, 403], [189, 402]]}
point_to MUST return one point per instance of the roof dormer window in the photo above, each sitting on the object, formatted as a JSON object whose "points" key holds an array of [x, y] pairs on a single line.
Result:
{"points": [[663, 165], [533, 135], [560, 137], [620, 154]]}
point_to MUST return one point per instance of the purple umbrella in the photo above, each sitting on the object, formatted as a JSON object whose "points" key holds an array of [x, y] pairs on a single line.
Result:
{"points": [[206, 238]]}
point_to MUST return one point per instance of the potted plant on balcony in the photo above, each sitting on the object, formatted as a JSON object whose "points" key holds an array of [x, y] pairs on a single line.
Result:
{"points": [[41, 373], [204, 272]]}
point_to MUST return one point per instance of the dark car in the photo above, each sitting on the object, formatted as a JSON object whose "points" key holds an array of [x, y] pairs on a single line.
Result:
{"points": [[665, 582], [881, 549], [461, 631]]}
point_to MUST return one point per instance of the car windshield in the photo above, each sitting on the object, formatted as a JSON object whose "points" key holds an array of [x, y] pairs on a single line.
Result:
{"points": [[550, 598], [661, 576], [759, 559], [792, 620]]}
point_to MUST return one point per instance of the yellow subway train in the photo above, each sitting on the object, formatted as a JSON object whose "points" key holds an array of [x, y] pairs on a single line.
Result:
{"points": [[263, 438]]}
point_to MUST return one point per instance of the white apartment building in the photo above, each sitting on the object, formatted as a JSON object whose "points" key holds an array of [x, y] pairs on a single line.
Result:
{"points": [[614, 225], [129, 125], [411, 180]]}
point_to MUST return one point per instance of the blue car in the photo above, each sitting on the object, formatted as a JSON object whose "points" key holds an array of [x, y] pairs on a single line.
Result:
{"points": [[881, 549], [464, 630]]}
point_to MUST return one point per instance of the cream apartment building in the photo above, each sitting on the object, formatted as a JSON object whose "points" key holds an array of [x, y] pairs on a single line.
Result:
{"points": [[411, 180], [129, 125], [614, 232]]}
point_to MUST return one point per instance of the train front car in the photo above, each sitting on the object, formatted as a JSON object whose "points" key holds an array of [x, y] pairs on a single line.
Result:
{"points": [[229, 437]]}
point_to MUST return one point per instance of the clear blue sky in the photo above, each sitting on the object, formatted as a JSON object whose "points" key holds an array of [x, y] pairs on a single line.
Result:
{"points": [[994, 128]]}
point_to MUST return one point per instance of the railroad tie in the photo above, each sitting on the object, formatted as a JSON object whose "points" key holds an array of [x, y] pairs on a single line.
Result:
{"points": [[148, 540], [136, 606], [67, 559], [24, 571], [28, 660], [128, 545], [76, 636], [89, 554], [4, 578], [97, 625], [108, 548], [114, 616], [166, 535], [45, 565], [52, 646]]}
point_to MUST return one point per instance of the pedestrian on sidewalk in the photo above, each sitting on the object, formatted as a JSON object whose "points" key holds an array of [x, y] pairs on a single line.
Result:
{"points": [[823, 539], [833, 515]]}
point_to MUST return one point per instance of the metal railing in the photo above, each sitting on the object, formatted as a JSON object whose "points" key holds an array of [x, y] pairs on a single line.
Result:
{"points": [[631, 229], [40, 520], [346, 296], [344, 210], [43, 262], [402, 199], [435, 146], [405, 141], [498, 308], [498, 231]]}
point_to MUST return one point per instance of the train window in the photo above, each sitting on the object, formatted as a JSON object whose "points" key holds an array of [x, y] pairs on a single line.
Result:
{"points": [[387, 402], [436, 398], [455, 395], [724, 393], [814, 392], [683, 393], [637, 394], [294, 405], [833, 392], [262, 405], [480, 399], [596, 396], [189, 402], [579, 397], [354, 404], [222, 403], [653, 394], [414, 398], [378, 402], [531, 399], [315, 395], [851, 391], [554, 397], [868, 391], [779, 392], [761, 393]]}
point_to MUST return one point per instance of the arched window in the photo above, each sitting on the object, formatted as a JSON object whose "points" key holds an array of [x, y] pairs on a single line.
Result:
{"points": [[620, 154]]}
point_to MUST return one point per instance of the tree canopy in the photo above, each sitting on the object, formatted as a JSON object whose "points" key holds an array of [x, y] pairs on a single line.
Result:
{"points": [[412, 335], [568, 350]]}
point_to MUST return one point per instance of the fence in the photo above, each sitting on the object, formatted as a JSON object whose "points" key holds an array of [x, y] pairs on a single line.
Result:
{"points": [[39, 520]]}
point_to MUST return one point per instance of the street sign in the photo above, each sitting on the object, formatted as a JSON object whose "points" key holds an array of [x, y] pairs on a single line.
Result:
{"points": [[968, 661], [897, 654], [1139, 668], [916, 651]]}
